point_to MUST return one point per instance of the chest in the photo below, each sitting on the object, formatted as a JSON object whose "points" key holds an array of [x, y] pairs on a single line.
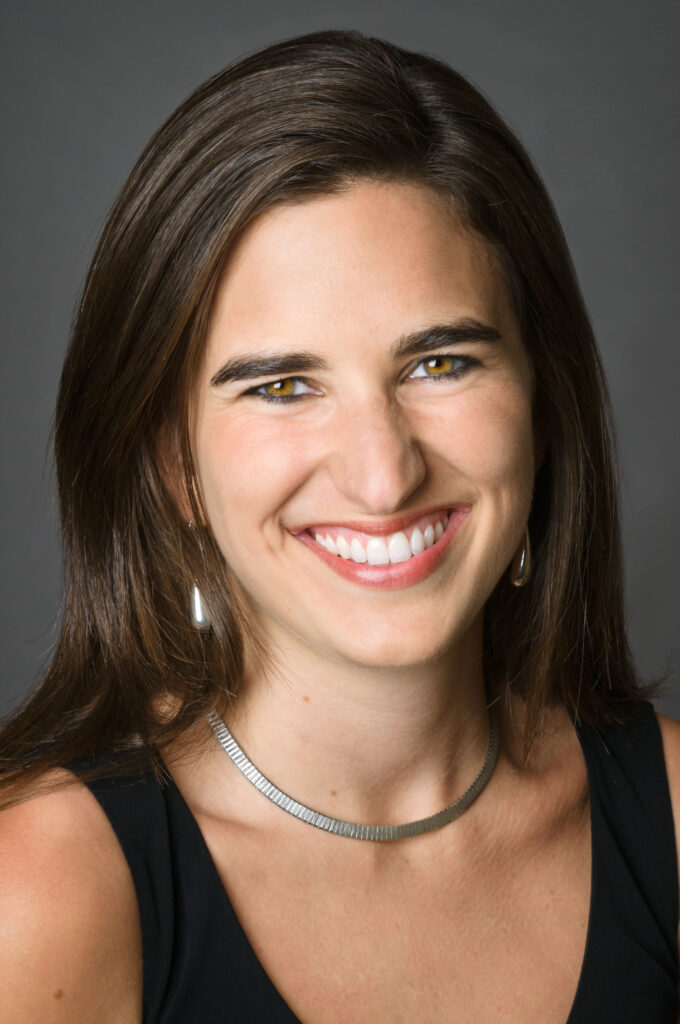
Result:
{"points": [[492, 933]]}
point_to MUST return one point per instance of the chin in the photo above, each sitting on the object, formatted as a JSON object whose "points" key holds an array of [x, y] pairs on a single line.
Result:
{"points": [[389, 649]]}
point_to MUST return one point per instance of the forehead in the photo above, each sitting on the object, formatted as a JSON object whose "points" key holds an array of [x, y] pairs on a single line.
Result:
{"points": [[372, 260]]}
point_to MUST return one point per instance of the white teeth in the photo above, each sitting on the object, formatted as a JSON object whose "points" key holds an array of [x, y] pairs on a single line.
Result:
{"points": [[357, 550], [376, 552], [417, 542], [399, 548], [343, 546], [384, 550]]}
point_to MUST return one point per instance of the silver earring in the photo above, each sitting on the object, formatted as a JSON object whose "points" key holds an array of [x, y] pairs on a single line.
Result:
{"points": [[199, 615], [521, 566]]}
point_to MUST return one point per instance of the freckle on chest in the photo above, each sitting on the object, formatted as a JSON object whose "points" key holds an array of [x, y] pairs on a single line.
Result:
{"points": [[58, 993]]}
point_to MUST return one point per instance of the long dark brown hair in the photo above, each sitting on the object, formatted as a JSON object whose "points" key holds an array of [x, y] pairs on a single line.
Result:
{"points": [[301, 118]]}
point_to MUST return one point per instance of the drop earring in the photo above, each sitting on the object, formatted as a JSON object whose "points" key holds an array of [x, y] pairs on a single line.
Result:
{"points": [[199, 616], [521, 566]]}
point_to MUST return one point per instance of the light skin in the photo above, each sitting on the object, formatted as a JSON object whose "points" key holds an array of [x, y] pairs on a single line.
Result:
{"points": [[372, 705], [381, 688]]}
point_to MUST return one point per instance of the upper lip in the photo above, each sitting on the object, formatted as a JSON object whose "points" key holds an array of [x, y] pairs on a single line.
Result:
{"points": [[377, 526]]}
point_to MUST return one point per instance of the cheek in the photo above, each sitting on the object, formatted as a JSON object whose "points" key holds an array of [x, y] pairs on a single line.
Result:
{"points": [[247, 467], [492, 437]]}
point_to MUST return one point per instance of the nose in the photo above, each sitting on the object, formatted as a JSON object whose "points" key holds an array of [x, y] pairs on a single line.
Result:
{"points": [[376, 461]]}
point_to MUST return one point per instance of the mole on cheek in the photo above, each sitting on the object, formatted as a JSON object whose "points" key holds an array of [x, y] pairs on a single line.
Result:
{"points": [[58, 994]]}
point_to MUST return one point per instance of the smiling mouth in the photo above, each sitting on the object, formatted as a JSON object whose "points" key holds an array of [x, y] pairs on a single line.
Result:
{"points": [[382, 550], [384, 560]]}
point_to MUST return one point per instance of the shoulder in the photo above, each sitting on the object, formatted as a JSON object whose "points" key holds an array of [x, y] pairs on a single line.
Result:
{"points": [[70, 926], [670, 737]]}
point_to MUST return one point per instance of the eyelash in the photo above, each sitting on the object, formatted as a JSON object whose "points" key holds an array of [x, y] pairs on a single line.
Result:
{"points": [[467, 361]]}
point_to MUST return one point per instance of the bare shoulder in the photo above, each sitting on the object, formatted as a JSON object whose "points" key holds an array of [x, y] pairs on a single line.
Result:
{"points": [[69, 921], [670, 737]]}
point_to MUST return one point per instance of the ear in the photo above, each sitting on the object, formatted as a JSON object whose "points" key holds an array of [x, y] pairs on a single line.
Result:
{"points": [[169, 462]]}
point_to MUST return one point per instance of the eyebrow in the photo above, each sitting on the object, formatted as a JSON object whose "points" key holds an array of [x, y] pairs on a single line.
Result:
{"points": [[264, 364]]}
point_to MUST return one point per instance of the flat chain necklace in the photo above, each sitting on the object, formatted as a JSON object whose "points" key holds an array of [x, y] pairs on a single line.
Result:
{"points": [[377, 833]]}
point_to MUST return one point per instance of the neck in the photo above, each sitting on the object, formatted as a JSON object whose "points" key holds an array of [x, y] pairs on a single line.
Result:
{"points": [[373, 745]]}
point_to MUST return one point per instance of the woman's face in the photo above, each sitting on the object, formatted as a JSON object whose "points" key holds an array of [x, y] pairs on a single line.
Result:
{"points": [[364, 380]]}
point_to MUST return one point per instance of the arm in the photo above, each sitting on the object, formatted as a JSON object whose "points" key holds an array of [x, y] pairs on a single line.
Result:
{"points": [[69, 923]]}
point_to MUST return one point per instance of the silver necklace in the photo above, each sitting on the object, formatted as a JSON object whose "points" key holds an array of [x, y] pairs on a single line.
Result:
{"points": [[377, 833]]}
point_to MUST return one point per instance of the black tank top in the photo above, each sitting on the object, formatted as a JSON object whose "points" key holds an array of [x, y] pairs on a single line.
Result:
{"points": [[199, 965]]}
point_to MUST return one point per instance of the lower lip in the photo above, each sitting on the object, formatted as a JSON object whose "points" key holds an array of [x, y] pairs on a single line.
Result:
{"points": [[391, 577]]}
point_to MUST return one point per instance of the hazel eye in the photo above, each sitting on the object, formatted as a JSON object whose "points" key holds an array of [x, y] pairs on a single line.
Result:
{"points": [[435, 368], [280, 388], [440, 367], [287, 389]]}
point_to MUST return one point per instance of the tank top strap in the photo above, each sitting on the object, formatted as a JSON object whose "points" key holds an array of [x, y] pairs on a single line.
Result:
{"points": [[198, 964], [630, 972], [137, 811], [197, 961]]}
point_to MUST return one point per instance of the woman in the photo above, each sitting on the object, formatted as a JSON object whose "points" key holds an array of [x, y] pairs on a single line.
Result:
{"points": [[339, 512]]}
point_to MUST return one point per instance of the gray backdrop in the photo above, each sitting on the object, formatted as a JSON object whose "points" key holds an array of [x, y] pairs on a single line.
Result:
{"points": [[591, 86]]}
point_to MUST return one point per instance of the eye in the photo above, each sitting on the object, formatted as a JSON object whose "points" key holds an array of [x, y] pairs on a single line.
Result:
{"points": [[288, 389], [443, 367], [434, 368]]}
